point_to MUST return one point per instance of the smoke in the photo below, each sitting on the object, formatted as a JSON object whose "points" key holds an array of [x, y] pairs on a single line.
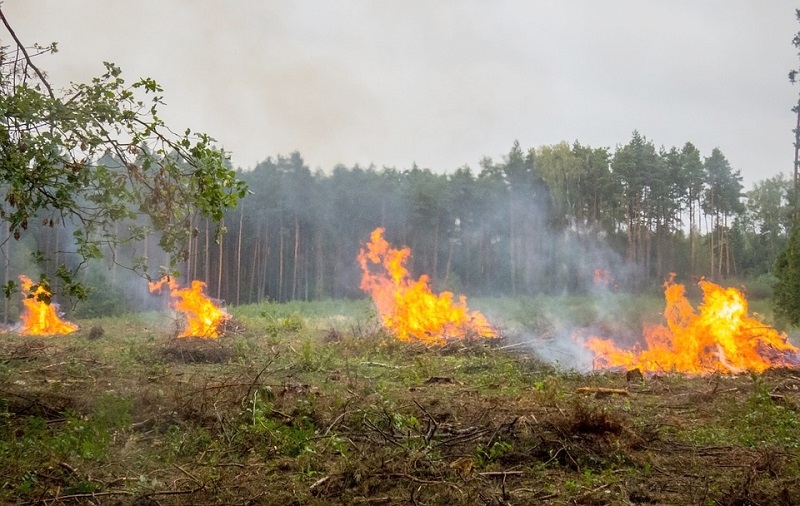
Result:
{"points": [[571, 283]]}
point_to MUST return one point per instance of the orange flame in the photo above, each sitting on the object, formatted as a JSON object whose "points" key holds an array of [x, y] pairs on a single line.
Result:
{"points": [[603, 277], [203, 317], [717, 337], [39, 316], [407, 307]]}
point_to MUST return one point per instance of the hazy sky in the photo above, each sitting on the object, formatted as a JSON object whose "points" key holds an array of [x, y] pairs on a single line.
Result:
{"points": [[443, 83]]}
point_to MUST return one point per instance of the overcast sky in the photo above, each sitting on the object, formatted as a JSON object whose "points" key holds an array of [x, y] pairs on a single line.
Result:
{"points": [[443, 83]]}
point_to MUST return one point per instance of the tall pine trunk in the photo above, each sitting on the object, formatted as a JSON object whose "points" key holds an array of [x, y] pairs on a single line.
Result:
{"points": [[239, 258]]}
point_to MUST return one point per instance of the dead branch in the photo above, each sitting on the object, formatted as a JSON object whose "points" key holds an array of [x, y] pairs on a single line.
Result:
{"points": [[502, 474], [431, 427]]}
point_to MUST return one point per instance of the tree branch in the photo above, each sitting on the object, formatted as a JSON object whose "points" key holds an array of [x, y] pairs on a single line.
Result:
{"points": [[27, 56]]}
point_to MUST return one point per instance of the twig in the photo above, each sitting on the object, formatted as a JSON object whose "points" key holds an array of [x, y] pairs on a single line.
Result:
{"points": [[88, 495], [587, 494], [190, 475], [497, 431], [503, 474], [333, 424], [318, 483], [379, 364], [27, 56], [524, 343], [432, 427], [253, 384]]}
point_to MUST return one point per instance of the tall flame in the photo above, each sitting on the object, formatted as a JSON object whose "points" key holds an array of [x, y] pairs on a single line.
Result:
{"points": [[407, 307], [717, 337], [39, 316], [203, 317]]}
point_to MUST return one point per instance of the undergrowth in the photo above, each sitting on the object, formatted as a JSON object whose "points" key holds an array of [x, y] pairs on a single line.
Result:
{"points": [[317, 404]]}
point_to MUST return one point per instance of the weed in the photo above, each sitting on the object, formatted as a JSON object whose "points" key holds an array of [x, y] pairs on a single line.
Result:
{"points": [[181, 442], [113, 412], [485, 456]]}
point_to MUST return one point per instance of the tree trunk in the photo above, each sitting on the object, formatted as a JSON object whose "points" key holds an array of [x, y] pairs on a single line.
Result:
{"points": [[511, 238], [296, 258], [280, 259], [207, 263], [219, 265], [6, 260], [239, 258], [319, 290], [254, 269]]}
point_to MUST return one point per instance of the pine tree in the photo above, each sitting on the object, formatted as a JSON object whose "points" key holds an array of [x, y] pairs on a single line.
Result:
{"points": [[787, 268]]}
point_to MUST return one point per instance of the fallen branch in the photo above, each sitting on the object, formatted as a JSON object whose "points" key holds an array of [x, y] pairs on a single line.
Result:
{"points": [[501, 474], [318, 483], [86, 496]]}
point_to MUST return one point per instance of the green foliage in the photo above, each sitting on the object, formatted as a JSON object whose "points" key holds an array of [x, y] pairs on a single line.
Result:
{"points": [[264, 429], [181, 442], [277, 325], [787, 272], [98, 157], [485, 456], [113, 412]]}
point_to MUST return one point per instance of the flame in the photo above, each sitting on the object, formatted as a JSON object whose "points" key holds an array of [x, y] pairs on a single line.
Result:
{"points": [[603, 277], [39, 316], [203, 317], [407, 307], [717, 337]]}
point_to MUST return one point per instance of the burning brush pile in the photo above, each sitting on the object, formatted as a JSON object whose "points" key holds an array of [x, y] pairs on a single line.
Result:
{"points": [[717, 337], [407, 308], [203, 317], [40, 316], [203, 322]]}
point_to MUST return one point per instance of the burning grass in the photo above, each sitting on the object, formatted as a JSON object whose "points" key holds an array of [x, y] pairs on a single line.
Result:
{"points": [[334, 411]]}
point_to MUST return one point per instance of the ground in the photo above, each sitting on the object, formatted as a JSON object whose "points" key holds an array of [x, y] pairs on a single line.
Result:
{"points": [[317, 405]]}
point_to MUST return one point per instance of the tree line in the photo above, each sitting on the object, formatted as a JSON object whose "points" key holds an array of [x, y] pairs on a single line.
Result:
{"points": [[540, 221]]}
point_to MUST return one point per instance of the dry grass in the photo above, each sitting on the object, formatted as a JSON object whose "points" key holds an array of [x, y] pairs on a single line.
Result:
{"points": [[299, 414]]}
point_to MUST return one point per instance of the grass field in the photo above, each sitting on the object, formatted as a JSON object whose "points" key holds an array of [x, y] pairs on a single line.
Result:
{"points": [[313, 403]]}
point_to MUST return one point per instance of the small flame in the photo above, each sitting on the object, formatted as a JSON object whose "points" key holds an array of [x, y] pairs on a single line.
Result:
{"points": [[407, 307], [39, 316], [717, 337], [203, 317], [603, 277]]}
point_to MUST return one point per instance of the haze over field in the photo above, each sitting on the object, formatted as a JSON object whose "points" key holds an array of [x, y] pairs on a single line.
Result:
{"points": [[443, 84]]}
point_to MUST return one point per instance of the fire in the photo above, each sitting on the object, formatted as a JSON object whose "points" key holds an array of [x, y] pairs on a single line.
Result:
{"points": [[408, 308], [203, 317], [39, 316], [717, 337], [603, 277]]}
